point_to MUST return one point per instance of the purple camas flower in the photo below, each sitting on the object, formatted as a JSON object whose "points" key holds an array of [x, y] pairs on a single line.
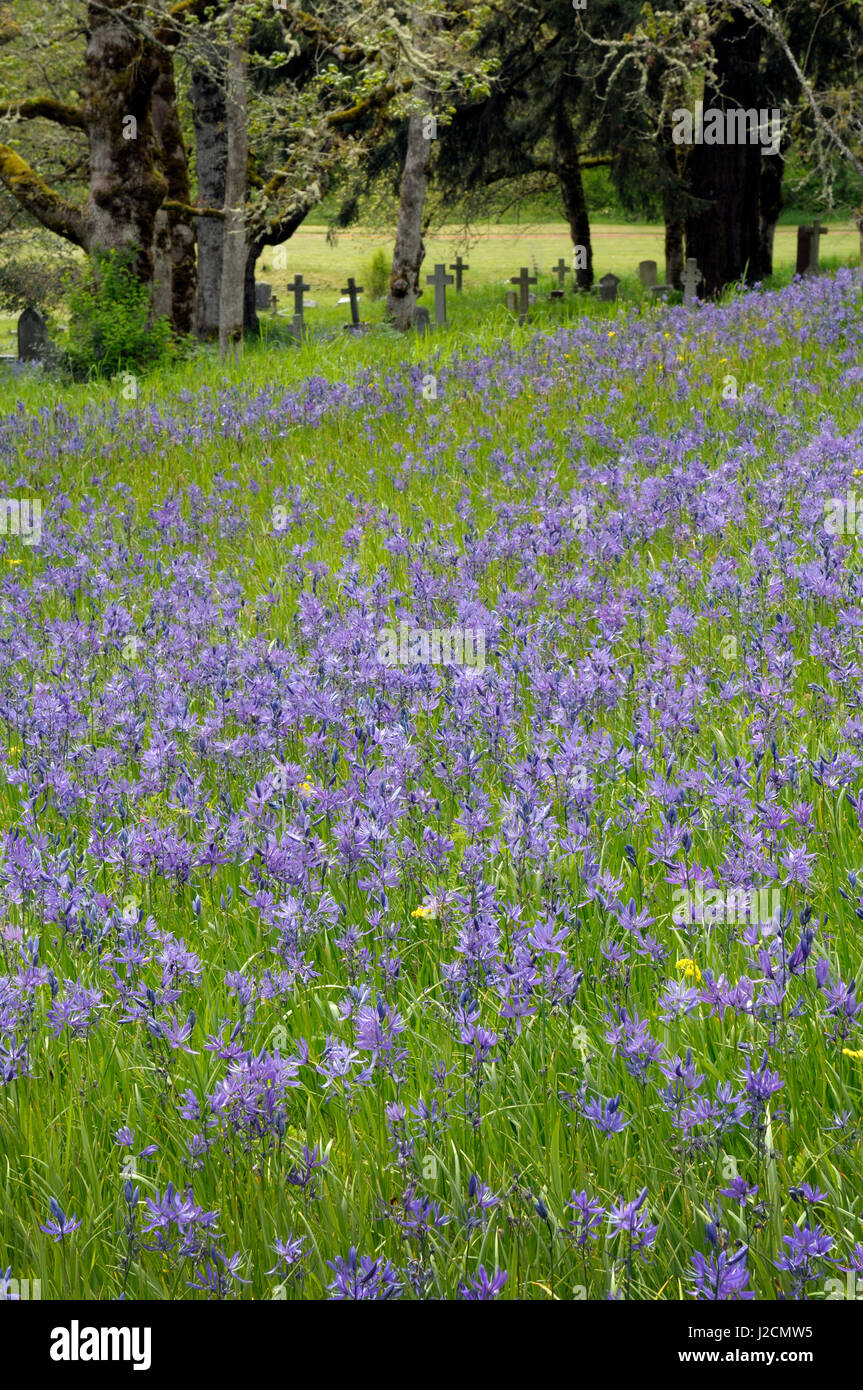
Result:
{"points": [[60, 1225], [587, 1222], [483, 1287], [721, 1275], [627, 1219], [362, 1277], [808, 1251]]}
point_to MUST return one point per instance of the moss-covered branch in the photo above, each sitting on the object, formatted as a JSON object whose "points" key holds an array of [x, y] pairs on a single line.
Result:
{"points": [[47, 109], [34, 195]]}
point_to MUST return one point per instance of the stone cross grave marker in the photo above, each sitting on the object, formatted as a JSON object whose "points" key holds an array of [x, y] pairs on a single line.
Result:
{"points": [[560, 271], [421, 320], [692, 278], [298, 288], [524, 279], [440, 280], [353, 291], [33, 342], [459, 267], [263, 294], [808, 247], [608, 287]]}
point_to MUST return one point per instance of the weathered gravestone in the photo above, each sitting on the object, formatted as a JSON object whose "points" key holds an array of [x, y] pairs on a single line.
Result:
{"points": [[608, 287], [459, 267], [560, 271], [263, 294], [524, 280], [34, 344], [353, 291], [421, 320], [298, 288], [648, 275], [808, 248], [512, 301], [440, 280], [692, 278]]}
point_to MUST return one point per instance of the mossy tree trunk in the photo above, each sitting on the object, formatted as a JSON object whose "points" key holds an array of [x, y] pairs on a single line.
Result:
{"points": [[180, 229], [234, 249], [409, 252], [568, 170], [211, 162], [126, 185]]}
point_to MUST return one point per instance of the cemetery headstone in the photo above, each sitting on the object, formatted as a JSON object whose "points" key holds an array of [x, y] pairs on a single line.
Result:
{"points": [[692, 278], [608, 287], [512, 301], [808, 248], [263, 294], [647, 274], [817, 233], [459, 267], [524, 280], [33, 342], [560, 271], [440, 280], [298, 288], [353, 292], [421, 320]]}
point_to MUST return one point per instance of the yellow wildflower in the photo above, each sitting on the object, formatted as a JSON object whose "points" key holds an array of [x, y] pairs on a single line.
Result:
{"points": [[858, 1055], [688, 969]]}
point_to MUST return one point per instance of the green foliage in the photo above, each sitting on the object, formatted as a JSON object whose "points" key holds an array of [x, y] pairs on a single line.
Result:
{"points": [[34, 272], [110, 325], [376, 276]]}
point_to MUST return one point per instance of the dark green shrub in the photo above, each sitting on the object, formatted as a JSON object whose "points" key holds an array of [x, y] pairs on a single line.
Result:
{"points": [[111, 329]]}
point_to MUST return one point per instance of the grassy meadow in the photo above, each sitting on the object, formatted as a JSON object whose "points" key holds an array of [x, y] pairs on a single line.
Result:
{"points": [[330, 975]]}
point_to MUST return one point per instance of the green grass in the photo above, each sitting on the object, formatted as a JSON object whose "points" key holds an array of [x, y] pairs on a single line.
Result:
{"points": [[57, 1126]]}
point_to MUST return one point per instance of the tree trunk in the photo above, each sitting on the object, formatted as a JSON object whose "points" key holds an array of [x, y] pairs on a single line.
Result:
{"points": [[211, 162], [175, 167], [250, 309], [405, 289], [674, 231], [232, 292], [568, 171], [126, 187], [724, 237], [770, 205], [162, 269]]}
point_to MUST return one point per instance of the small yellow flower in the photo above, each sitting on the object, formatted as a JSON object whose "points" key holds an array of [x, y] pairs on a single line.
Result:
{"points": [[428, 912], [612, 334], [688, 969], [306, 789], [858, 1055], [13, 562]]}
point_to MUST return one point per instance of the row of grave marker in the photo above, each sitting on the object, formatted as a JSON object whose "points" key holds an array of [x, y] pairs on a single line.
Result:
{"points": [[34, 345]]}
